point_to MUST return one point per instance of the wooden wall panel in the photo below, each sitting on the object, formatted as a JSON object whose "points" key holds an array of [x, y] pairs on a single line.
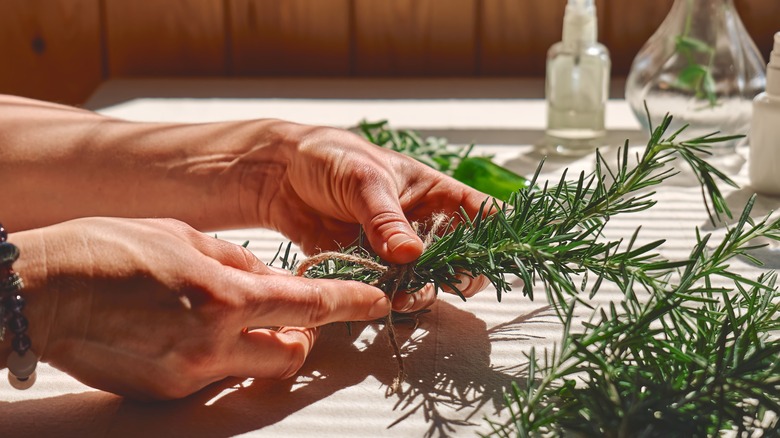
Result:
{"points": [[516, 35], [415, 37], [50, 49], [762, 20], [290, 37], [61, 49], [170, 37]]}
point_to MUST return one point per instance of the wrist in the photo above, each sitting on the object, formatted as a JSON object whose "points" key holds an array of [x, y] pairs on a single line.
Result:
{"points": [[211, 176], [263, 168], [151, 170]]}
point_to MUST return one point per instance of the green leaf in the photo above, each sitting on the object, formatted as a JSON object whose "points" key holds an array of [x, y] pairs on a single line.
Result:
{"points": [[687, 43], [691, 77], [486, 176]]}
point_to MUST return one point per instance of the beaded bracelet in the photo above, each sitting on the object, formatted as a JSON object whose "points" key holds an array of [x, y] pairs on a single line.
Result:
{"points": [[22, 361]]}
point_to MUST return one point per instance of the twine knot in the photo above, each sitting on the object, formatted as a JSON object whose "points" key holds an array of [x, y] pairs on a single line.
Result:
{"points": [[392, 278]]}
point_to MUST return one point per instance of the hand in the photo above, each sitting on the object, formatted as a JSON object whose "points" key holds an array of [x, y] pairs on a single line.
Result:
{"points": [[155, 309], [334, 181]]}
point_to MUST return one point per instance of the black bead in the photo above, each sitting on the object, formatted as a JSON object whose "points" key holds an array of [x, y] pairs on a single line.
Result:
{"points": [[9, 253], [3, 234], [16, 303], [17, 323], [21, 343]]}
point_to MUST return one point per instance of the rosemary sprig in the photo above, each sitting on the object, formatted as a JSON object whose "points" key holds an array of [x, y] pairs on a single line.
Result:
{"points": [[552, 234], [435, 152], [478, 172], [694, 358]]}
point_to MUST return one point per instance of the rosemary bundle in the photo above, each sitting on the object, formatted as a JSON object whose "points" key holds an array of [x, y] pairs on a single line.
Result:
{"points": [[688, 351]]}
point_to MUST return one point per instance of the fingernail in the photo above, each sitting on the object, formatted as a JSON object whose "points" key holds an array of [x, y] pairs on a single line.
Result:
{"points": [[398, 240], [410, 300], [465, 283], [380, 308]]}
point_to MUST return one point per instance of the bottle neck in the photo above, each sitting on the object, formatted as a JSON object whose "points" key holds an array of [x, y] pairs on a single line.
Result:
{"points": [[579, 28], [701, 12], [773, 82], [716, 23]]}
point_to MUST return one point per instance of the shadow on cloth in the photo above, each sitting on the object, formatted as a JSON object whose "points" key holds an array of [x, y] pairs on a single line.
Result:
{"points": [[765, 250], [449, 378]]}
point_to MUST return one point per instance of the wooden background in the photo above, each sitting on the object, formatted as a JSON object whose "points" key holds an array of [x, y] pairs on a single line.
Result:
{"points": [[61, 50]]}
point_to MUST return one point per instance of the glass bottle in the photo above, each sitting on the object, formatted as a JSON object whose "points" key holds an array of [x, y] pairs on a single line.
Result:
{"points": [[700, 66], [764, 168], [577, 83]]}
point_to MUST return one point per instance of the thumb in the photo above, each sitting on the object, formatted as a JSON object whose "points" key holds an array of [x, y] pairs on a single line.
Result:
{"points": [[388, 231]]}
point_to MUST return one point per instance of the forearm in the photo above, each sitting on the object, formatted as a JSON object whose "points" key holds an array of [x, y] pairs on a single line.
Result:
{"points": [[59, 163]]}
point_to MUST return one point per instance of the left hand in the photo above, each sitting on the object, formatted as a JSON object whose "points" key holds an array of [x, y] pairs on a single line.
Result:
{"points": [[154, 309]]}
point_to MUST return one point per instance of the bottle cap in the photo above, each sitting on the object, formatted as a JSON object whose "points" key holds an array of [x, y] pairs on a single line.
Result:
{"points": [[581, 6], [773, 69], [774, 58], [583, 3]]}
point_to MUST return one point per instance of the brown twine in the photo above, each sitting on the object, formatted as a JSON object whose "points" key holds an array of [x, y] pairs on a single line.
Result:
{"points": [[332, 255], [393, 275]]}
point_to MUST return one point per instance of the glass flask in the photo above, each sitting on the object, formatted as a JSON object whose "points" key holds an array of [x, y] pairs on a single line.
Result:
{"points": [[700, 66]]}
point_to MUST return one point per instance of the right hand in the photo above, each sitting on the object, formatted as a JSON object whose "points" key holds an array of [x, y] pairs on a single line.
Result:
{"points": [[154, 309], [325, 185]]}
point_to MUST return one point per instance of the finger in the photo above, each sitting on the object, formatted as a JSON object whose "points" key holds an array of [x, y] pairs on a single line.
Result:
{"points": [[414, 301], [236, 256], [270, 354], [278, 271], [455, 195], [473, 201], [468, 285], [227, 253], [280, 300], [387, 229]]}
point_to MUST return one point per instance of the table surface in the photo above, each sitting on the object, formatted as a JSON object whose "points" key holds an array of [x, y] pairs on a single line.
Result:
{"points": [[459, 357]]}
